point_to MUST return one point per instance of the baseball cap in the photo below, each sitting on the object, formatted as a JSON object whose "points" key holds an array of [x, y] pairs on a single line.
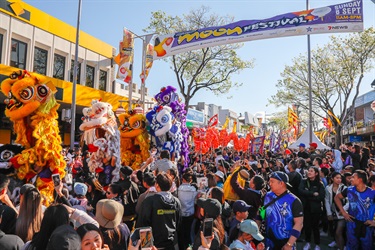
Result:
{"points": [[240, 206], [251, 227], [313, 145], [80, 188], [302, 145], [281, 176], [211, 207], [220, 174], [64, 237]]}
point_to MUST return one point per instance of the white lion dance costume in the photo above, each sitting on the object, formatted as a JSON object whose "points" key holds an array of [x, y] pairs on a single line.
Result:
{"points": [[32, 107], [102, 137]]}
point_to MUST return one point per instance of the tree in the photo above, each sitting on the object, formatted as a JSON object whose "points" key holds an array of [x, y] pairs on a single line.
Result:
{"points": [[209, 68], [337, 70]]}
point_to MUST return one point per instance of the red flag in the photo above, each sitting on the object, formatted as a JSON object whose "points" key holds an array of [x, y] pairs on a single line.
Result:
{"points": [[213, 121]]}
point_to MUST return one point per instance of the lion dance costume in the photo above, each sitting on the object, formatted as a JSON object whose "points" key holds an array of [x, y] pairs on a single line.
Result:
{"points": [[135, 142], [101, 135], [32, 107]]}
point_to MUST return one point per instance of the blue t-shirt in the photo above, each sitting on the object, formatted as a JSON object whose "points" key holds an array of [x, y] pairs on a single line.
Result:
{"points": [[280, 215], [359, 202]]}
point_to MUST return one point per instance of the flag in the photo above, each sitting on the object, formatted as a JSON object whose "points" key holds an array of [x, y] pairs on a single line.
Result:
{"points": [[329, 112], [148, 63], [226, 123], [292, 118], [124, 59], [213, 121]]}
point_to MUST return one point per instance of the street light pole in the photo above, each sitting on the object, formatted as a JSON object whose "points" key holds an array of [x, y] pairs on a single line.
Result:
{"points": [[309, 79], [75, 73]]}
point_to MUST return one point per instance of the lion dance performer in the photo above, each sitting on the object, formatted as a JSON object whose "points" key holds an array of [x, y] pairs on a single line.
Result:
{"points": [[32, 107], [102, 137], [135, 143]]}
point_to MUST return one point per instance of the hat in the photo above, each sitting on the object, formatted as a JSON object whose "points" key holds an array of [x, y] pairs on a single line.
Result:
{"points": [[64, 237], [212, 207], [240, 206], [251, 227], [244, 174], [26, 187], [125, 170], [281, 176], [302, 145], [109, 213], [313, 145], [220, 174], [80, 188]]}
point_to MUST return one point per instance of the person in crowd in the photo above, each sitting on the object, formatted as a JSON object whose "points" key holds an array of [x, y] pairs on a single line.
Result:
{"points": [[164, 163], [317, 162], [246, 231], [149, 183], [219, 176], [114, 192], [365, 156], [302, 167], [324, 172], [226, 211], [161, 211], [360, 198], [354, 156], [8, 241], [371, 182], [172, 174], [337, 162], [218, 157], [223, 166], [312, 195], [283, 214], [253, 159], [302, 153], [109, 214], [64, 237], [211, 181], [95, 192], [187, 194], [30, 215], [295, 177], [80, 191], [241, 212], [252, 195], [337, 222], [312, 153], [211, 208], [7, 210], [91, 237]]}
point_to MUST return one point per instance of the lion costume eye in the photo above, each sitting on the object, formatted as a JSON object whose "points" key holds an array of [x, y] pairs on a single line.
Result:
{"points": [[27, 93], [136, 124], [42, 91], [166, 98], [164, 119]]}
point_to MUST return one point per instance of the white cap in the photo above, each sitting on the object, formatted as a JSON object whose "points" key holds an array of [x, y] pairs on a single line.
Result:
{"points": [[220, 174]]}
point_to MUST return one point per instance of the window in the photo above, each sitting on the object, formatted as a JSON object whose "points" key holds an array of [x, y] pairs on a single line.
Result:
{"points": [[90, 73], [40, 61], [18, 54], [1, 46], [59, 67], [78, 72], [103, 80]]}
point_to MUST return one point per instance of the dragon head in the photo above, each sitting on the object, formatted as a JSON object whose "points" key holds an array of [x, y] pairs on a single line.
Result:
{"points": [[132, 124]]}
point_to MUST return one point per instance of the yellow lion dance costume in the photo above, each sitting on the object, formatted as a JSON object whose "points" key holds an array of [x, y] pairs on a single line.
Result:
{"points": [[135, 143], [32, 107]]}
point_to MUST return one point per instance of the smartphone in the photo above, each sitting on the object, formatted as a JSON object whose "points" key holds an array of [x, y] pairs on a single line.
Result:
{"points": [[56, 179], [208, 227], [145, 236]]}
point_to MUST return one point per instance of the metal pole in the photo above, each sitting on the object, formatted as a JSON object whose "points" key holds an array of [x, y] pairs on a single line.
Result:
{"points": [[75, 73], [143, 83], [309, 79]]}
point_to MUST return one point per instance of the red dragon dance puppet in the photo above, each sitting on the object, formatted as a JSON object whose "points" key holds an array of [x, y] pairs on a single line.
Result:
{"points": [[32, 107]]}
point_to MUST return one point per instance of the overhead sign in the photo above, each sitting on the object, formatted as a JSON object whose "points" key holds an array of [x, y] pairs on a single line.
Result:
{"points": [[345, 17], [195, 116]]}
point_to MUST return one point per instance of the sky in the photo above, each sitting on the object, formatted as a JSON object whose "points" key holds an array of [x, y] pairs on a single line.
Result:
{"points": [[105, 20]]}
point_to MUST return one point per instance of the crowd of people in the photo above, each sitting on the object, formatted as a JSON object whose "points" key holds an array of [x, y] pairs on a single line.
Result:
{"points": [[221, 200]]}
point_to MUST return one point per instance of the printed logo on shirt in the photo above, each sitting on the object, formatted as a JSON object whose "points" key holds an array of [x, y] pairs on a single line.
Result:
{"points": [[165, 211]]}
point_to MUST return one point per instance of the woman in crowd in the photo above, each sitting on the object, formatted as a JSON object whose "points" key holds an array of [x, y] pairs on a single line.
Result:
{"points": [[246, 231], [365, 156], [95, 192], [312, 194], [114, 192], [30, 215], [91, 237], [109, 215], [333, 213], [226, 211]]}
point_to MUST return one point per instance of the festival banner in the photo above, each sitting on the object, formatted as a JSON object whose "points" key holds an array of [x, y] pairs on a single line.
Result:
{"points": [[257, 145], [213, 121], [148, 63], [345, 17], [124, 59]]}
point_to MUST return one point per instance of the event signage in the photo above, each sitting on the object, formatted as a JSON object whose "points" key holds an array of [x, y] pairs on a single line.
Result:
{"points": [[344, 17], [195, 116]]}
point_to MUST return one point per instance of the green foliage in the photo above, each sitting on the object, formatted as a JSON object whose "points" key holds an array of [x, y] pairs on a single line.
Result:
{"points": [[208, 68], [337, 70]]}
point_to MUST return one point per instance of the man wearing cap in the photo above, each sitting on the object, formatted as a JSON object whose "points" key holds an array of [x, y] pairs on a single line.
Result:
{"points": [[283, 215], [241, 212], [313, 153], [302, 151]]}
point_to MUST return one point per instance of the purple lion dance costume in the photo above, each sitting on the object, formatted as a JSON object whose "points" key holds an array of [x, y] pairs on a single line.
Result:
{"points": [[179, 133]]}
